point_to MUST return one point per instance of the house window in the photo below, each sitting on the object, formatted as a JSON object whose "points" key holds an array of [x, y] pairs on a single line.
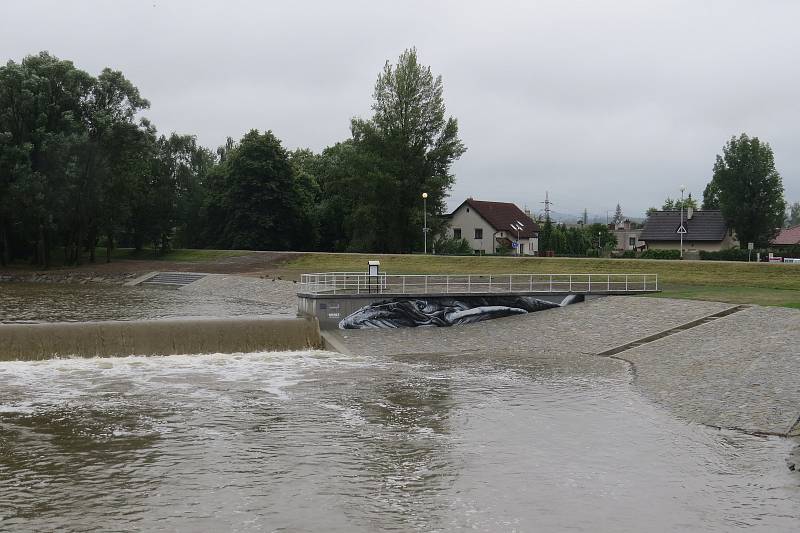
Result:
{"points": [[632, 241], [521, 248], [479, 233], [456, 233]]}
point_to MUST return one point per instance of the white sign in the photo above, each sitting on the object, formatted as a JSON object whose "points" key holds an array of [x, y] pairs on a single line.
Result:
{"points": [[749, 245], [682, 230]]}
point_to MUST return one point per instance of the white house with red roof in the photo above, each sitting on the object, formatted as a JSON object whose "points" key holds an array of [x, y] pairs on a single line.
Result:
{"points": [[490, 226]]}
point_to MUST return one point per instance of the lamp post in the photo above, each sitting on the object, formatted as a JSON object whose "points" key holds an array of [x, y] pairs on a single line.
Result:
{"points": [[425, 221], [599, 243], [681, 229]]}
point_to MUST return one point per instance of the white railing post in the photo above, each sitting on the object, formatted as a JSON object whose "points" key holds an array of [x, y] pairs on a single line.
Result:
{"points": [[447, 284], [590, 283], [608, 283], [426, 284], [469, 283], [626, 283], [490, 283], [530, 285], [570, 283]]}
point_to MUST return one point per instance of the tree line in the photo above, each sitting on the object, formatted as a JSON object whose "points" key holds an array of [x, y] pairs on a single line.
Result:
{"points": [[80, 169]]}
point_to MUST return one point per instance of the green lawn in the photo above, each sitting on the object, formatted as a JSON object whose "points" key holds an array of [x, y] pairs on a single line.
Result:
{"points": [[174, 255], [734, 282]]}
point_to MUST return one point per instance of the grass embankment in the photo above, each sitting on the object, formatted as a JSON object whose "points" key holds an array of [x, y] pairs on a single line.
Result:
{"points": [[175, 255], [755, 283]]}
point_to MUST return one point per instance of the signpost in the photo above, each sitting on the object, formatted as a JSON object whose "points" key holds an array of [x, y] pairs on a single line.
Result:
{"points": [[749, 250]]}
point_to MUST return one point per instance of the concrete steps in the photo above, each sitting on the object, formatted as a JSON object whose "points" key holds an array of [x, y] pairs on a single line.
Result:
{"points": [[171, 280]]}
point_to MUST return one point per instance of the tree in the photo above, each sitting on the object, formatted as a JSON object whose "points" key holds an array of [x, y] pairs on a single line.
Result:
{"points": [[651, 210], [406, 148], [618, 216], [711, 196], [749, 189], [675, 205], [793, 216], [254, 201]]}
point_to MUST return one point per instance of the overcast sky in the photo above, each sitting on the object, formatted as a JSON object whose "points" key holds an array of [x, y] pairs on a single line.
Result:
{"points": [[597, 102]]}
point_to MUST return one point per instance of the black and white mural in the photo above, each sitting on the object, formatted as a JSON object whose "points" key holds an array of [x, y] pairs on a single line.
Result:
{"points": [[416, 312]]}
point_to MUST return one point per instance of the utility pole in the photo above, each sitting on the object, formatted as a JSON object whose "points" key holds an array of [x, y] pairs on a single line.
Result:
{"points": [[547, 203]]}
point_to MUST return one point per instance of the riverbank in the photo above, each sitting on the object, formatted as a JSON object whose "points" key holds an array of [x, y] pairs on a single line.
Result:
{"points": [[721, 281], [738, 372]]}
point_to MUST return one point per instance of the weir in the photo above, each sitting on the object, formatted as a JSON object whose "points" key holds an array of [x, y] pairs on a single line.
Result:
{"points": [[335, 298], [156, 337]]}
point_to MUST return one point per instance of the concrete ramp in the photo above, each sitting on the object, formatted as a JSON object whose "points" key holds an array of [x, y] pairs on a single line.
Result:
{"points": [[156, 337], [169, 280]]}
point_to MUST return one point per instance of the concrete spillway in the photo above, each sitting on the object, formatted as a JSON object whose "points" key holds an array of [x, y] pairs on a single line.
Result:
{"points": [[156, 337]]}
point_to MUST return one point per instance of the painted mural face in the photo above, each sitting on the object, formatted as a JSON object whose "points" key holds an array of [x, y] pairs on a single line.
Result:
{"points": [[442, 312]]}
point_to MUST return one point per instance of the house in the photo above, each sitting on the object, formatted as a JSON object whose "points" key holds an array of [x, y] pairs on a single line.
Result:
{"points": [[787, 237], [490, 226], [705, 230], [628, 238]]}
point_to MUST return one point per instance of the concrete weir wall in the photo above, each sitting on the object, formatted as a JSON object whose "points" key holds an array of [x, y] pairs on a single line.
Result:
{"points": [[156, 337]]}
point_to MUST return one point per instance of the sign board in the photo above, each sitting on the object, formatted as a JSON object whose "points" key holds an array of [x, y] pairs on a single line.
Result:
{"points": [[513, 245], [681, 230], [749, 245], [374, 268]]}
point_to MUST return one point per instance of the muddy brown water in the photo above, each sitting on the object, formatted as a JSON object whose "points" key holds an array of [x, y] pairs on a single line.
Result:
{"points": [[319, 441], [51, 302]]}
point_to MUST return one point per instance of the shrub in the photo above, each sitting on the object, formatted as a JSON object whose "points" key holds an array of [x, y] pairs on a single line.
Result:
{"points": [[453, 247], [732, 254], [661, 254]]}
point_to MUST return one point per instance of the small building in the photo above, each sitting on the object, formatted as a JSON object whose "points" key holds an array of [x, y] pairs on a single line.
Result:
{"points": [[628, 237], [705, 230], [787, 237], [491, 226]]}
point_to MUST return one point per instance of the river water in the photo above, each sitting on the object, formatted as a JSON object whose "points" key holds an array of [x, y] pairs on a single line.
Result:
{"points": [[316, 441], [50, 302]]}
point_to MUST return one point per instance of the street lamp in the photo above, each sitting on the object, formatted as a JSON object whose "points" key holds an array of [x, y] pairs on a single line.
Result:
{"points": [[425, 221], [681, 229], [599, 243]]}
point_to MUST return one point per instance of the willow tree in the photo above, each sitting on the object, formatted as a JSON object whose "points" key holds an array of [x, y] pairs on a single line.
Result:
{"points": [[406, 148]]}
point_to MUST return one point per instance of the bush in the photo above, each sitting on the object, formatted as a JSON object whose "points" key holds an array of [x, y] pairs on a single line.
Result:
{"points": [[453, 247], [629, 254], [732, 254], [661, 254]]}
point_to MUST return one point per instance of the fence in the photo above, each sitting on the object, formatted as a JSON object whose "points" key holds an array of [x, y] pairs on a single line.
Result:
{"points": [[363, 283]]}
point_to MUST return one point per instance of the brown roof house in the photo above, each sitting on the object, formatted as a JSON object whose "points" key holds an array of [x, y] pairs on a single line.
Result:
{"points": [[488, 226], [787, 237], [705, 230]]}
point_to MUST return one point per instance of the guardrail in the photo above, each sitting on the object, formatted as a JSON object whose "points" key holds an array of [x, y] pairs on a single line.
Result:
{"points": [[363, 283]]}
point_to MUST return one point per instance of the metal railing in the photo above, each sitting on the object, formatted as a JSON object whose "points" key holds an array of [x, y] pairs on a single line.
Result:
{"points": [[363, 283]]}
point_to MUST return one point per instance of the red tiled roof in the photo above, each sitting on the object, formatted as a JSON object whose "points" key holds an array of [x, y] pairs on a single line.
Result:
{"points": [[501, 215], [787, 237]]}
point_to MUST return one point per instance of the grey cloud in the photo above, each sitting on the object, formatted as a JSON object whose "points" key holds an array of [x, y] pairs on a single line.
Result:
{"points": [[598, 102]]}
